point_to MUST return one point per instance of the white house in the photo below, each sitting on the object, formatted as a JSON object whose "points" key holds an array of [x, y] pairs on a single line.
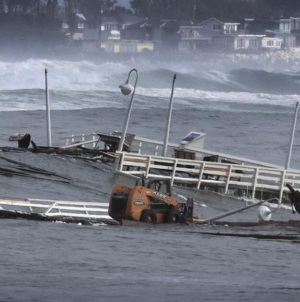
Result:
{"points": [[192, 38], [214, 26], [249, 42], [271, 43], [212, 33], [96, 35], [79, 24]]}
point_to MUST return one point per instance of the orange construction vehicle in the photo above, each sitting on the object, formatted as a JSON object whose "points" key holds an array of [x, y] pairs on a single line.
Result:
{"points": [[150, 200]]}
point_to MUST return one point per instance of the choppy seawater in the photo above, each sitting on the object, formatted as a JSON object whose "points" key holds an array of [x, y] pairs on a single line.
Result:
{"points": [[244, 111], [54, 262]]}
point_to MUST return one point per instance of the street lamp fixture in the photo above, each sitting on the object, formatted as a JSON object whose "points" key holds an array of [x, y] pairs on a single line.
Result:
{"points": [[126, 89]]}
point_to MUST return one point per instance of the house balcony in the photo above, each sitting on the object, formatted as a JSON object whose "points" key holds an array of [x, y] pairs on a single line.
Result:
{"points": [[196, 38]]}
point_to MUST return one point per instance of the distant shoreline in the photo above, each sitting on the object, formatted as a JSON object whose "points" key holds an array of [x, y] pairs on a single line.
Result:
{"points": [[291, 55]]}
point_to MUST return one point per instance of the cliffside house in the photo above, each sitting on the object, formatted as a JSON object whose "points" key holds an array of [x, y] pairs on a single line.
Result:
{"points": [[154, 35], [103, 36], [216, 35], [73, 28], [282, 29]]}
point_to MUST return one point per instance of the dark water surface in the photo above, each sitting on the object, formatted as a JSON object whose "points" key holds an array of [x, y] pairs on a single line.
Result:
{"points": [[58, 262]]}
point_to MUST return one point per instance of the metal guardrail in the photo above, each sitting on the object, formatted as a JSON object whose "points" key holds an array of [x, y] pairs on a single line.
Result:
{"points": [[58, 208], [252, 179], [83, 140], [139, 145]]}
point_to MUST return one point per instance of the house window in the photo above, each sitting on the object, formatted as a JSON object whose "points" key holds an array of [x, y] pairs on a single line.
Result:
{"points": [[109, 47], [216, 26], [128, 48], [278, 43], [65, 25], [270, 43], [253, 43], [80, 25], [240, 43]]}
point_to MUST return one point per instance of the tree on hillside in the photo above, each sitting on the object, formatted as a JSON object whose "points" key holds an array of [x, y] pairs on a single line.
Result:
{"points": [[142, 7], [121, 10], [285, 8], [1, 6], [200, 10]]}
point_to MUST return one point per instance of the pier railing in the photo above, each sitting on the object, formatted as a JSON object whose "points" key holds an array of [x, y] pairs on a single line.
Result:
{"points": [[252, 180], [85, 140], [139, 145]]}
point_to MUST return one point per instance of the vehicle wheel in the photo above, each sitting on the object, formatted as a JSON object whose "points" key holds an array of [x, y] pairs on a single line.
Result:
{"points": [[149, 216], [173, 217]]}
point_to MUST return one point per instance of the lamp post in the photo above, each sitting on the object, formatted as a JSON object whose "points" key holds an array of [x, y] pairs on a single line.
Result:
{"points": [[287, 165], [126, 89], [166, 140], [48, 110]]}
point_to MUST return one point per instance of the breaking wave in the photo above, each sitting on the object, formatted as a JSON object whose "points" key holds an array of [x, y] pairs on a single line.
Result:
{"points": [[265, 78]]}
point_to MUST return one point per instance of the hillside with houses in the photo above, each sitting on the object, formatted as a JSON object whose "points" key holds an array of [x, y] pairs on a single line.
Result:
{"points": [[103, 28], [128, 34]]}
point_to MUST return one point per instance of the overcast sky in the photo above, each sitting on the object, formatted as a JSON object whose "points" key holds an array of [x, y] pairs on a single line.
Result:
{"points": [[124, 3]]}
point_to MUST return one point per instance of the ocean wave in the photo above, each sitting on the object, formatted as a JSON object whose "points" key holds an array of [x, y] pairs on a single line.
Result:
{"points": [[145, 98], [270, 72]]}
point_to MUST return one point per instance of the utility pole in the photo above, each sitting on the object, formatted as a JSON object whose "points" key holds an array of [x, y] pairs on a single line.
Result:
{"points": [[287, 165], [38, 5], [100, 22], [194, 12]]}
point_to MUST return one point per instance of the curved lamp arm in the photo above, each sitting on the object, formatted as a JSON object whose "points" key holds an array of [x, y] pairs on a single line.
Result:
{"points": [[121, 143]]}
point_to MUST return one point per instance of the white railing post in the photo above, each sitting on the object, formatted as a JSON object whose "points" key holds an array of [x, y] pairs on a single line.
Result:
{"points": [[94, 138], [73, 139], [282, 184], [174, 171], [140, 148], [148, 165], [82, 139], [255, 182], [201, 170], [51, 207], [121, 163], [86, 210], [228, 179]]}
